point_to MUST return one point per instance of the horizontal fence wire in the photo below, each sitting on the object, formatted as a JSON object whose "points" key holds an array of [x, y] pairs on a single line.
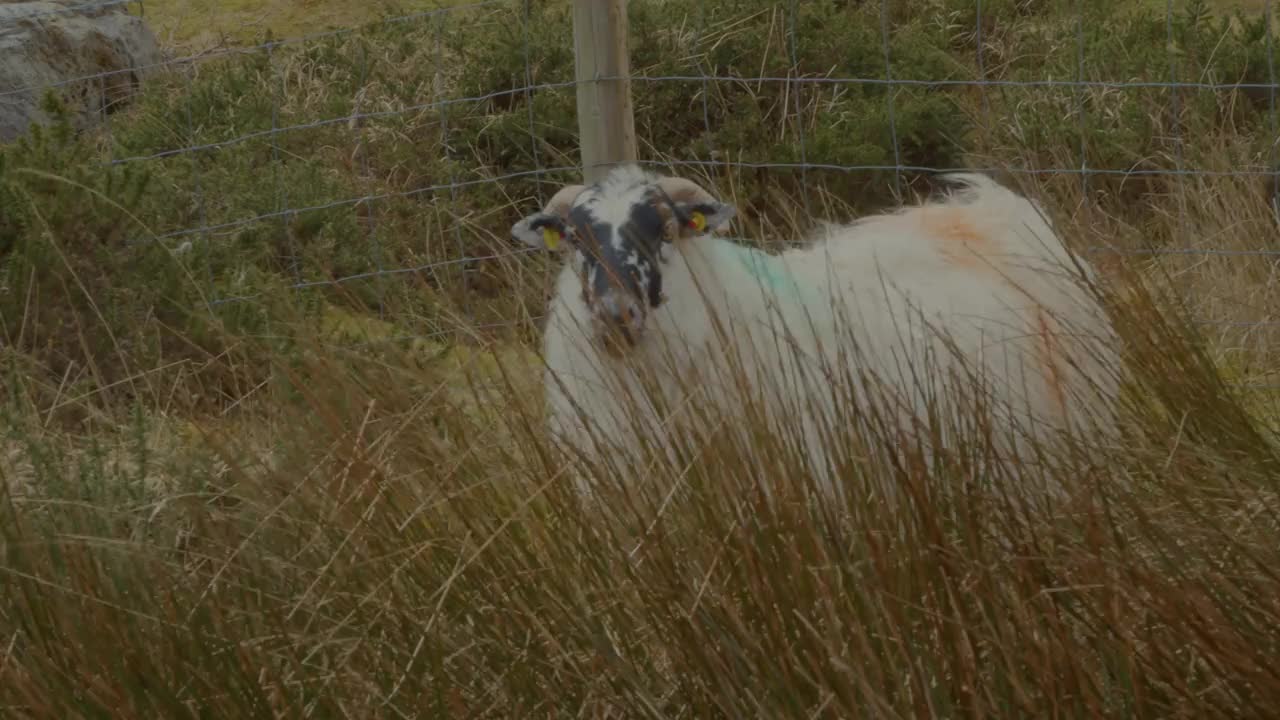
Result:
{"points": [[229, 51], [290, 206]]}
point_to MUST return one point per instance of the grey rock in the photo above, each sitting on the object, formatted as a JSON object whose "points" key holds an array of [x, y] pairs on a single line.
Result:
{"points": [[92, 52]]}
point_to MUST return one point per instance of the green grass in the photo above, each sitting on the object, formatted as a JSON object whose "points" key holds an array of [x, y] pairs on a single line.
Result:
{"points": [[195, 26], [283, 507]]}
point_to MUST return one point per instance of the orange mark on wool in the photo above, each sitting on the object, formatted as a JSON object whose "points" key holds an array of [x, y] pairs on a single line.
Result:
{"points": [[1048, 352], [962, 243]]}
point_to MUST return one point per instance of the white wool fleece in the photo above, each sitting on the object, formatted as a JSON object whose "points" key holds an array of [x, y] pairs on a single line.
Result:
{"points": [[981, 265]]}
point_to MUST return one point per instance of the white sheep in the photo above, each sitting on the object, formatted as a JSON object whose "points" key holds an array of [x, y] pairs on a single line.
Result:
{"points": [[649, 291]]}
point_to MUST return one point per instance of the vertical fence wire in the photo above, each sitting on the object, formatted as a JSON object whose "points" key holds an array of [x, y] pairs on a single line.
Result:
{"points": [[890, 87], [704, 69], [196, 175], [1274, 122], [463, 256], [1175, 110], [793, 88], [980, 41], [371, 205], [1174, 95], [1175, 103], [1269, 21], [1081, 94], [543, 195], [534, 153], [279, 92]]}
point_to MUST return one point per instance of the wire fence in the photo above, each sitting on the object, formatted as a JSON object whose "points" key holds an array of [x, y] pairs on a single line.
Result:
{"points": [[424, 135]]}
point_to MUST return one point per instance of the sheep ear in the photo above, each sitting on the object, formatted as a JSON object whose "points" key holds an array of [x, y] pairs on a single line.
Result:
{"points": [[706, 217], [545, 231]]}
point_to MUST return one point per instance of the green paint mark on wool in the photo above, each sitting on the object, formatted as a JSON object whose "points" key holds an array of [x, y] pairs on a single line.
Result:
{"points": [[766, 268]]}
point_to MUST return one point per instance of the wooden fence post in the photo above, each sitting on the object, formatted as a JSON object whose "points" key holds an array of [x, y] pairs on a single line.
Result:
{"points": [[606, 122]]}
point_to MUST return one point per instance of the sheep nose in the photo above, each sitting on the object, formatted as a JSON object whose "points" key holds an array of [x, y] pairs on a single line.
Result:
{"points": [[620, 322], [622, 318], [623, 331]]}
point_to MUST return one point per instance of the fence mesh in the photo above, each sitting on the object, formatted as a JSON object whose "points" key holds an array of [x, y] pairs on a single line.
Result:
{"points": [[383, 163]]}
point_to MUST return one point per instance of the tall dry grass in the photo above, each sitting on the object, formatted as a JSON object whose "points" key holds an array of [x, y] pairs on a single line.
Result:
{"points": [[369, 535], [388, 530]]}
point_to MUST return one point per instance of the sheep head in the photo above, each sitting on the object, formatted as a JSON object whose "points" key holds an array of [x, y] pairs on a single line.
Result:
{"points": [[620, 232]]}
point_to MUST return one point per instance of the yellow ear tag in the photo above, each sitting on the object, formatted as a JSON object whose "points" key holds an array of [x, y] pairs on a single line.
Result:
{"points": [[551, 237], [698, 221]]}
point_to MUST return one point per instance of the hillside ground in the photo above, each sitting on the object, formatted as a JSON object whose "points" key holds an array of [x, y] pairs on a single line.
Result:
{"points": [[271, 424]]}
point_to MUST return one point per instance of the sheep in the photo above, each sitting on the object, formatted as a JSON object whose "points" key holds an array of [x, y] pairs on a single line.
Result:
{"points": [[649, 286]]}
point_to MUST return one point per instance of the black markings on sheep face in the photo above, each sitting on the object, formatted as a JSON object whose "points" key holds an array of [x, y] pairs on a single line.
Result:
{"points": [[620, 237], [621, 232]]}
